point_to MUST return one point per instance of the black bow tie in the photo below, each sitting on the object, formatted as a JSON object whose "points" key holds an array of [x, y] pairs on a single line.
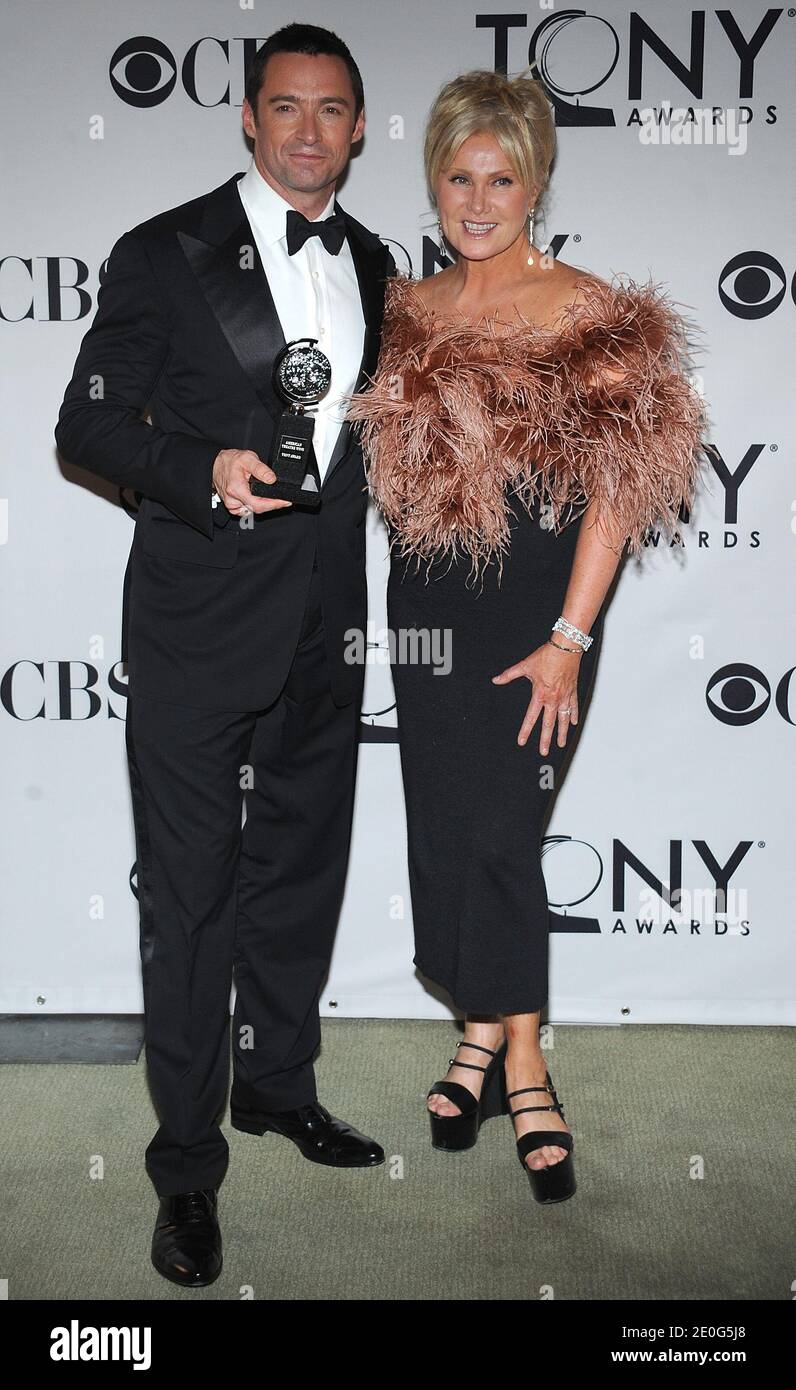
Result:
{"points": [[331, 231]]}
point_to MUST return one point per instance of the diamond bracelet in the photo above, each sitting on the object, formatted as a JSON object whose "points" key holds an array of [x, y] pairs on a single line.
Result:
{"points": [[573, 633]]}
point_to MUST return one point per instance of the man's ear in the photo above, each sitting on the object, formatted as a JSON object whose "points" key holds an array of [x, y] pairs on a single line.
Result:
{"points": [[247, 117], [359, 128]]}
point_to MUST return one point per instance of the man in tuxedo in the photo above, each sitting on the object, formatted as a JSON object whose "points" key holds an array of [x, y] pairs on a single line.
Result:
{"points": [[234, 613]]}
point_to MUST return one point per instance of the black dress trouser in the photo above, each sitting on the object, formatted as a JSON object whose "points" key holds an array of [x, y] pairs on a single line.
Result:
{"points": [[261, 901]]}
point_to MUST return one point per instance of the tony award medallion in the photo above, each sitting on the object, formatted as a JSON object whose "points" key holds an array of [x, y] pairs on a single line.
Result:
{"points": [[302, 375]]}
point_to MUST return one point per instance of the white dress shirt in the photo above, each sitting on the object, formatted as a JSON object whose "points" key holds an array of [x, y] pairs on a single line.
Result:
{"points": [[316, 296]]}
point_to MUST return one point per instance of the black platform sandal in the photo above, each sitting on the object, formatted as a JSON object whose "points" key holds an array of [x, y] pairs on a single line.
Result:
{"points": [[454, 1132], [556, 1181]]}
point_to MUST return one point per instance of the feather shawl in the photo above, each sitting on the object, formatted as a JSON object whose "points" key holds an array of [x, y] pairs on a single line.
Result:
{"points": [[596, 408]]}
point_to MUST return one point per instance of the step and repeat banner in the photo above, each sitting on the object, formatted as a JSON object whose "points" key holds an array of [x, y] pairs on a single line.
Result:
{"points": [[669, 857]]}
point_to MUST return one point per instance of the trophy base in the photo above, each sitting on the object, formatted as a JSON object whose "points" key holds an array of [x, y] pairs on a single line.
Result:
{"points": [[287, 492]]}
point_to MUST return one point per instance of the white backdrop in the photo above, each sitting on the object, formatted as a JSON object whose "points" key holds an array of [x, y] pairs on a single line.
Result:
{"points": [[685, 767]]}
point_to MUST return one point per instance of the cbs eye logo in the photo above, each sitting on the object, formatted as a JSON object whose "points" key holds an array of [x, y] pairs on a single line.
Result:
{"points": [[739, 694], [143, 72], [754, 284]]}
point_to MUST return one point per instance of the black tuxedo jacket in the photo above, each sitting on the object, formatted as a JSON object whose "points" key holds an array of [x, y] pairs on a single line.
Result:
{"points": [[186, 325]]}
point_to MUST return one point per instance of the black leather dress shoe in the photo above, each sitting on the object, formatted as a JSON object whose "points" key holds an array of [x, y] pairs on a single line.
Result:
{"points": [[318, 1135], [186, 1245]]}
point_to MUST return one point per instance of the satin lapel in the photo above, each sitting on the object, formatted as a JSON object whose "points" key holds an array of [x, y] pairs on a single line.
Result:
{"points": [[224, 258], [365, 264]]}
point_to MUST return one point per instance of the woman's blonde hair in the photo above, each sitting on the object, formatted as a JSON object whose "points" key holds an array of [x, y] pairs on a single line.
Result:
{"points": [[516, 111]]}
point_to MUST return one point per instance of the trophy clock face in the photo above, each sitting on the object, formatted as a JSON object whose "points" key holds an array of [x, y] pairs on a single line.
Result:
{"points": [[303, 374]]}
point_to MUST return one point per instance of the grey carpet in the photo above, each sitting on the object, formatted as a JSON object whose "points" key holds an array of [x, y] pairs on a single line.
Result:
{"points": [[649, 1108]]}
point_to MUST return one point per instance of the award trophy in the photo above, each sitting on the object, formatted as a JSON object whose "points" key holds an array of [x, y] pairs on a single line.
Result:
{"points": [[302, 376]]}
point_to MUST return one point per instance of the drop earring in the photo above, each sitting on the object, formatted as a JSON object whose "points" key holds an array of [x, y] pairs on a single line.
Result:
{"points": [[530, 236], [441, 238]]}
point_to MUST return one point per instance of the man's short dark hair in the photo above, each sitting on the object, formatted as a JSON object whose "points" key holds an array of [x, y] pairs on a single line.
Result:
{"points": [[302, 38]]}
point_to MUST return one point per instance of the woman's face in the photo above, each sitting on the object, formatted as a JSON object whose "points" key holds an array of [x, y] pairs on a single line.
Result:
{"points": [[482, 205]]}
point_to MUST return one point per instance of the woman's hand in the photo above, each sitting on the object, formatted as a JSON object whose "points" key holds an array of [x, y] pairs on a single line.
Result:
{"points": [[553, 674]]}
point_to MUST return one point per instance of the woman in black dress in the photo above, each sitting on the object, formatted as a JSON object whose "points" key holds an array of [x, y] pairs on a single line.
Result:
{"points": [[527, 419]]}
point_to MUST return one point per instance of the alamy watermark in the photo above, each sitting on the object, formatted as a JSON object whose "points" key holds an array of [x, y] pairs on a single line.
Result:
{"points": [[409, 646], [693, 125]]}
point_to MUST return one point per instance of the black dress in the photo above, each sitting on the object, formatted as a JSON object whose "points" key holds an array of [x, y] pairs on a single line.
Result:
{"points": [[476, 802], [472, 433]]}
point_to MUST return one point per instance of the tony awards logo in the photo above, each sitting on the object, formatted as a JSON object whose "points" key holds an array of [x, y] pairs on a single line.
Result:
{"points": [[302, 376]]}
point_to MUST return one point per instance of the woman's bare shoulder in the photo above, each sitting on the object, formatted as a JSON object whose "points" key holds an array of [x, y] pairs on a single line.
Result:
{"points": [[545, 302], [570, 290], [552, 292], [432, 290]]}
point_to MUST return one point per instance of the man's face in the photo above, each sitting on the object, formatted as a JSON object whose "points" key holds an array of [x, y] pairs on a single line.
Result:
{"points": [[305, 124]]}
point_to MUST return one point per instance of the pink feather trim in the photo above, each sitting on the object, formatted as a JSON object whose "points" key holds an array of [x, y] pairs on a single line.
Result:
{"points": [[596, 409]]}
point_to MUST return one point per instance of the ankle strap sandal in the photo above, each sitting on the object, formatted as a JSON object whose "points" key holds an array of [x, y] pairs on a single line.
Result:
{"points": [[556, 1181], [456, 1132]]}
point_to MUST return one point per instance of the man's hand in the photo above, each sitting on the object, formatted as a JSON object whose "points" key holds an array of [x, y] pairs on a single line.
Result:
{"points": [[231, 472]]}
